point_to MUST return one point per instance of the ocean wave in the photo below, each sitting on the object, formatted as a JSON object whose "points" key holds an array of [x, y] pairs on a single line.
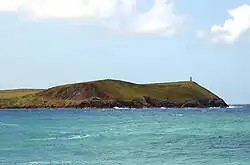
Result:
{"points": [[124, 108], [120, 108], [212, 107], [73, 137], [171, 130], [44, 139], [234, 106], [178, 114], [50, 162], [8, 125]]}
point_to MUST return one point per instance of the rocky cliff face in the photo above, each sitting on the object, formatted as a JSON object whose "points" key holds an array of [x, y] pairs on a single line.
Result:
{"points": [[151, 103], [73, 92], [147, 103]]}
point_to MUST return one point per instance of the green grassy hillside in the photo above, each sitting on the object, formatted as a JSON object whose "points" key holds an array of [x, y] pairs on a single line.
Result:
{"points": [[8, 94], [73, 94], [115, 89]]}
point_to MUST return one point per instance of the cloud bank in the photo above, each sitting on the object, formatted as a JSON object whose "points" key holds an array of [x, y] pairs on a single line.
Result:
{"points": [[232, 29], [121, 15]]}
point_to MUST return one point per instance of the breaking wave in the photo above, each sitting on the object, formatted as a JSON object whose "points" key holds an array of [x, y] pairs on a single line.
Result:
{"points": [[235, 106], [120, 108], [8, 125], [73, 137], [51, 162]]}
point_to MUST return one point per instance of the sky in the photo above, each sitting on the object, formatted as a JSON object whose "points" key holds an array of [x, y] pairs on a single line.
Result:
{"points": [[44, 43]]}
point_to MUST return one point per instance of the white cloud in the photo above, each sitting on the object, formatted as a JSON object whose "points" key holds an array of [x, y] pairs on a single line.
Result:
{"points": [[10, 5], [233, 28], [58, 9], [161, 19]]}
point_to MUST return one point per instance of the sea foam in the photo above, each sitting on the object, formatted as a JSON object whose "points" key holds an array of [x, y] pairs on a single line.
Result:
{"points": [[73, 137], [8, 125]]}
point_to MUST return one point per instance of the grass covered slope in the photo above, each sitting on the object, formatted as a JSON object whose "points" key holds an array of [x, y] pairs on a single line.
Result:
{"points": [[7, 94], [121, 90], [108, 93]]}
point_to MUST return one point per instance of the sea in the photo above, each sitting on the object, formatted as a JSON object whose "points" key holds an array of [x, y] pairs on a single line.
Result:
{"points": [[125, 136]]}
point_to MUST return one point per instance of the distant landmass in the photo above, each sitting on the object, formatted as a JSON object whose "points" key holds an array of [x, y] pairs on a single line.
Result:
{"points": [[113, 93]]}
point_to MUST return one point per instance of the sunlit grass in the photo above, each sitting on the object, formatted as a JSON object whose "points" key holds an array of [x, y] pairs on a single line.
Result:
{"points": [[113, 89], [7, 94]]}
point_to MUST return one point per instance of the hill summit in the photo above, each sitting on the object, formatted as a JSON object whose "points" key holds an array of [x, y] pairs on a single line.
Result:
{"points": [[115, 93]]}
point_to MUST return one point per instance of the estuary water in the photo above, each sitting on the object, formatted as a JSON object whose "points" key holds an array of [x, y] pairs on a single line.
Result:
{"points": [[125, 137]]}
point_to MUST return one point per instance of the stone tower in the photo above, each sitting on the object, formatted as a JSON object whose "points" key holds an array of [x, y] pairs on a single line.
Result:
{"points": [[191, 79]]}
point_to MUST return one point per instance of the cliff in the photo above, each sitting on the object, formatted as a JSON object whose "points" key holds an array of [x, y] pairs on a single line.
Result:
{"points": [[115, 93]]}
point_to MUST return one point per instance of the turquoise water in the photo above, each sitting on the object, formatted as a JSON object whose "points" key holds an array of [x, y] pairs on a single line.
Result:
{"points": [[126, 137]]}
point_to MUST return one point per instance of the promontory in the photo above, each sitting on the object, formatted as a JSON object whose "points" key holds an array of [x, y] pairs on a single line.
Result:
{"points": [[113, 93]]}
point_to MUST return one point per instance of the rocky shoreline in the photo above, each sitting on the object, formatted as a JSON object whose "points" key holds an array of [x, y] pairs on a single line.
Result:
{"points": [[146, 103]]}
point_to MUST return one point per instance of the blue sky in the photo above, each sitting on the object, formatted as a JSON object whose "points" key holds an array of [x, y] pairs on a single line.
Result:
{"points": [[135, 41]]}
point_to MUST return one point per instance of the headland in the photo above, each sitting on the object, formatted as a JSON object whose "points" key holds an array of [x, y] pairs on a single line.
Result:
{"points": [[110, 93]]}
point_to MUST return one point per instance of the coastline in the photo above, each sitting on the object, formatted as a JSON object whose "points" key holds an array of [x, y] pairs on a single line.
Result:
{"points": [[105, 104]]}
